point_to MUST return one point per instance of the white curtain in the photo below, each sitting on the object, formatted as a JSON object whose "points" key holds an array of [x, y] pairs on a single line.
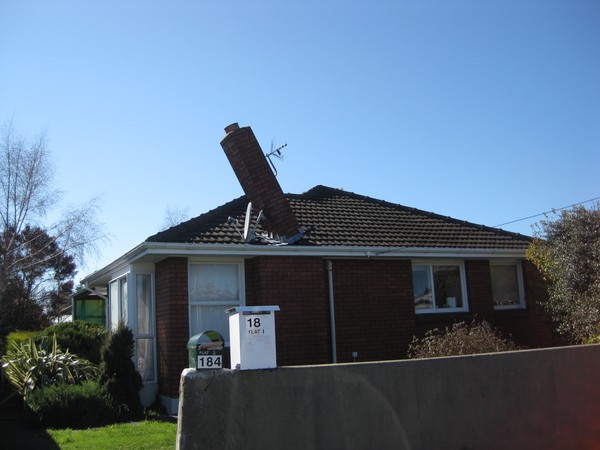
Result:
{"points": [[145, 332], [213, 289]]}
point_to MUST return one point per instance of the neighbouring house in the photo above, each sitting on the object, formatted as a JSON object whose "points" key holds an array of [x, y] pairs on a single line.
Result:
{"points": [[89, 306], [355, 277]]}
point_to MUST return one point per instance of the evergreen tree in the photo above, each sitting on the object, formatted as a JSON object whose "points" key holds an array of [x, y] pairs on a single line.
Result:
{"points": [[122, 380], [567, 252]]}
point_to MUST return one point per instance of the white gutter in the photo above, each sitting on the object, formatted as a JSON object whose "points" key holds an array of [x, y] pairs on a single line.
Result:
{"points": [[165, 249], [332, 312], [161, 248]]}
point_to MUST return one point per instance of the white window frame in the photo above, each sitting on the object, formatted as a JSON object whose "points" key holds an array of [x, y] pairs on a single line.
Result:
{"points": [[463, 286], [520, 285], [152, 333], [241, 289], [121, 303]]}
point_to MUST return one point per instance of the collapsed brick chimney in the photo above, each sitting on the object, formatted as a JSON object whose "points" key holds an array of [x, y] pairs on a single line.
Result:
{"points": [[258, 181]]}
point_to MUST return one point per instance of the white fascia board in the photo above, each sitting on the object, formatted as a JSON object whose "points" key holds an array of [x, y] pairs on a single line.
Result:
{"points": [[165, 249], [248, 250], [117, 264]]}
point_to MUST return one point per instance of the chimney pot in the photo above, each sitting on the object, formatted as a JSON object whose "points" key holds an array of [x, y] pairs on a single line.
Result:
{"points": [[232, 127]]}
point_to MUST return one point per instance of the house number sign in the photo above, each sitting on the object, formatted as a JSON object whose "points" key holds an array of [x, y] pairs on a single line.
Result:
{"points": [[205, 350], [258, 325], [209, 359], [252, 337], [254, 325]]}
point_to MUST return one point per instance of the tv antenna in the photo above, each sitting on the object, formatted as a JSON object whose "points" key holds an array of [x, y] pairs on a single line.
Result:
{"points": [[247, 234], [247, 221], [276, 152]]}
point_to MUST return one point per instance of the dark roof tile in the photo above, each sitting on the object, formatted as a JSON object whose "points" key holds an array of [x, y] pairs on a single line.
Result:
{"points": [[333, 217]]}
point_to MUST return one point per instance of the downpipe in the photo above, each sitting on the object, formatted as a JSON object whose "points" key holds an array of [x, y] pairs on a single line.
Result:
{"points": [[332, 311]]}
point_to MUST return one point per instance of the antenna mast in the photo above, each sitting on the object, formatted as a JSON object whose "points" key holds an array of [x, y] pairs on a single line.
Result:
{"points": [[276, 152]]}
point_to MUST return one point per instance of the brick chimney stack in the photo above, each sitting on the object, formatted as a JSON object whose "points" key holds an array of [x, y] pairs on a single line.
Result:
{"points": [[258, 181]]}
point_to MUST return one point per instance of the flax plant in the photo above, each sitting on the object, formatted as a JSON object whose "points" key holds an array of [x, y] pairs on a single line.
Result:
{"points": [[28, 366]]}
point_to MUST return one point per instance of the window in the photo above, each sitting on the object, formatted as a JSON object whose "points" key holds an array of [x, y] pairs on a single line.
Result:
{"points": [[141, 317], [118, 302], [213, 288], [439, 287], [90, 310], [144, 342], [507, 285]]}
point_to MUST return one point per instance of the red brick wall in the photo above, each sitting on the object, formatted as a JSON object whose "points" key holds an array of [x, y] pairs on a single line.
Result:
{"points": [[479, 288], [374, 310], [528, 328], [531, 327], [298, 285], [172, 324]]}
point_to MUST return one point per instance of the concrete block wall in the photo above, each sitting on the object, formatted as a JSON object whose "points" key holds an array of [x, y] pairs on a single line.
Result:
{"points": [[536, 399]]}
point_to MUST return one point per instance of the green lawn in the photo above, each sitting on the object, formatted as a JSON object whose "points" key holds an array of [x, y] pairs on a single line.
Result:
{"points": [[154, 435]]}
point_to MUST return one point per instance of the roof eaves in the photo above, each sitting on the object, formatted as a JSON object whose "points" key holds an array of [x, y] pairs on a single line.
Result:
{"points": [[166, 249], [123, 260], [249, 250]]}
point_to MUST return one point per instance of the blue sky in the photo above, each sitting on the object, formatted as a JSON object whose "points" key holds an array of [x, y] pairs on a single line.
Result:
{"points": [[485, 111]]}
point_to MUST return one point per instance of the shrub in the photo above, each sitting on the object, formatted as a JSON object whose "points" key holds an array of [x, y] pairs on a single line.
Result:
{"points": [[460, 339], [595, 339], [28, 366], [566, 250], [82, 338], [20, 337], [71, 405], [118, 371]]}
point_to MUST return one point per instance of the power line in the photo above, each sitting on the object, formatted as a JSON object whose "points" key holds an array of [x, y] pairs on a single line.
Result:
{"points": [[546, 212]]}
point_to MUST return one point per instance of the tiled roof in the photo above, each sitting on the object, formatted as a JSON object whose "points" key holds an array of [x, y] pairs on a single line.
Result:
{"points": [[333, 217]]}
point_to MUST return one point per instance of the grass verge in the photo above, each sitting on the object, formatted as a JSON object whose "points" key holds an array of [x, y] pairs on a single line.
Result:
{"points": [[154, 435]]}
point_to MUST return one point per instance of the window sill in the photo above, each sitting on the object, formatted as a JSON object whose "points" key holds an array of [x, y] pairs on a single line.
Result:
{"points": [[442, 317], [426, 312], [519, 307]]}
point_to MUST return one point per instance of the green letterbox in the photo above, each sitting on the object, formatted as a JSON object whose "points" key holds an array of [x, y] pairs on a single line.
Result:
{"points": [[205, 350]]}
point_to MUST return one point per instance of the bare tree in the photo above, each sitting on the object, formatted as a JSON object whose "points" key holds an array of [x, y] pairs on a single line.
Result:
{"points": [[174, 216], [36, 258], [26, 174]]}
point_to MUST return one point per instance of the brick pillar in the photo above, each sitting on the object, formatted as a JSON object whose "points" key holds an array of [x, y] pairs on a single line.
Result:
{"points": [[172, 323]]}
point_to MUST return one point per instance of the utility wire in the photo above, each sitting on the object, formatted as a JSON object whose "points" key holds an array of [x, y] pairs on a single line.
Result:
{"points": [[544, 213]]}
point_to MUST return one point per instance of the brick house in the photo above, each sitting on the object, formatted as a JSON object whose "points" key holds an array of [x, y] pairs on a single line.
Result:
{"points": [[355, 277]]}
